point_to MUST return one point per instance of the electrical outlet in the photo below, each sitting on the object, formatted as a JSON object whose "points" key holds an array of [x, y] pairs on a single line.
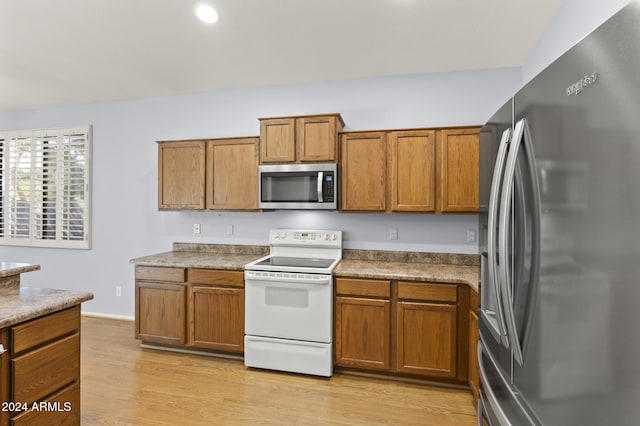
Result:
{"points": [[118, 291], [393, 233], [471, 235], [196, 228], [229, 229]]}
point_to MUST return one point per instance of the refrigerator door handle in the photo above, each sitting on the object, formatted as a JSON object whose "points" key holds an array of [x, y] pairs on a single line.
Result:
{"points": [[521, 139], [536, 231], [494, 207]]}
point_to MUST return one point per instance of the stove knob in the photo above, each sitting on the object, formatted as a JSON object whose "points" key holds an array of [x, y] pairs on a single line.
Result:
{"points": [[326, 236], [334, 237], [283, 236]]}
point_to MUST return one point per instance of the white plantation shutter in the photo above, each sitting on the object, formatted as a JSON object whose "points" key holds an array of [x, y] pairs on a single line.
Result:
{"points": [[45, 187], [16, 193], [75, 188]]}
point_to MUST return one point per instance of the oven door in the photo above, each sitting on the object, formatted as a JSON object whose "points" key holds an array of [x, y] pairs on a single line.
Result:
{"points": [[289, 305]]}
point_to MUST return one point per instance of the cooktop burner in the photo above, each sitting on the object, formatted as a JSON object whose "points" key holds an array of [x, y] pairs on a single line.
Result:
{"points": [[302, 262]]}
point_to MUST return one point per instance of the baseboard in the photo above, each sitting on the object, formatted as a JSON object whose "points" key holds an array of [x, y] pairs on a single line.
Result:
{"points": [[107, 316], [190, 351]]}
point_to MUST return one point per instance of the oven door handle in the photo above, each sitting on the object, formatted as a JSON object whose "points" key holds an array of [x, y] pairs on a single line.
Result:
{"points": [[286, 277]]}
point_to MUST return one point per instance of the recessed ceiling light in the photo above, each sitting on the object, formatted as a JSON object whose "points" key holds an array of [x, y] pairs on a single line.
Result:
{"points": [[206, 13]]}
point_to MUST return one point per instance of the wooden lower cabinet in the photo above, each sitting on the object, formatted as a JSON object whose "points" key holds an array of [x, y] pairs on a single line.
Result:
{"points": [[161, 305], [413, 328], [362, 332], [190, 308], [426, 339], [474, 336], [216, 303], [40, 371], [4, 374]]}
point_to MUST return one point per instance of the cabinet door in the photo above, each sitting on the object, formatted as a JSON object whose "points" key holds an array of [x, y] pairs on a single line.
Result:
{"points": [[413, 172], [474, 375], [278, 140], [474, 336], [160, 312], [4, 375], [232, 174], [363, 171], [459, 170], [181, 175], [426, 334], [218, 318], [362, 333], [317, 138]]}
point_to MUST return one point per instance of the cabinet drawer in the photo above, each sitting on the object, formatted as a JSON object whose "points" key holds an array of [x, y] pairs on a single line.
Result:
{"points": [[66, 410], [41, 330], [160, 273], [427, 291], [43, 371], [217, 277], [358, 287]]}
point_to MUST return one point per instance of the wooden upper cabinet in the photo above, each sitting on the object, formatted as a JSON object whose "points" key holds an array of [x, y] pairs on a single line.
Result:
{"points": [[312, 138], [232, 174], [459, 170], [181, 175], [412, 170], [278, 140], [318, 138], [363, 171]]}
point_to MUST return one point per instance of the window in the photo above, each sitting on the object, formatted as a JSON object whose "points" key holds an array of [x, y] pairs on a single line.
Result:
{"points": [[44, 187]]}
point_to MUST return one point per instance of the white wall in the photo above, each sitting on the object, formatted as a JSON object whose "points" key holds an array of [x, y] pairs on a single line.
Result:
{"points": [[126, 223], [574, 20]]}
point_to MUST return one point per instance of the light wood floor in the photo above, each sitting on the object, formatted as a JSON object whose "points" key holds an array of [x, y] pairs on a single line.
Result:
{"points": [[123, 384]]}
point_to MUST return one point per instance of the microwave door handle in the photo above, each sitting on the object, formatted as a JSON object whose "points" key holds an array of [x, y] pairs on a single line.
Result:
{"points": [[320, 195]]}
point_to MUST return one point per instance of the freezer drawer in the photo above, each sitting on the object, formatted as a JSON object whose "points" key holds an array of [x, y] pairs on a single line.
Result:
{"points": [[500, 401]]}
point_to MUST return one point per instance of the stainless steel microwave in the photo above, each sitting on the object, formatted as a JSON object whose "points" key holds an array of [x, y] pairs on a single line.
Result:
{"points": [[298, 186]]}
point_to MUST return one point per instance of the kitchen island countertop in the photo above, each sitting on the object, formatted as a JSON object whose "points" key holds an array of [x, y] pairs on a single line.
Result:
{"points": [[19, 303], [22, 304], [8, 269]]}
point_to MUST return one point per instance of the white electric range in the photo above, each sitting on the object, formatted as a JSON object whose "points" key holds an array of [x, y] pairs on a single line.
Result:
{"points": [[289, 302]]}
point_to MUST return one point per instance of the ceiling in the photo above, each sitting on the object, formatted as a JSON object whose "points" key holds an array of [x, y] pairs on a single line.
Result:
{"points": [[67, 52]]}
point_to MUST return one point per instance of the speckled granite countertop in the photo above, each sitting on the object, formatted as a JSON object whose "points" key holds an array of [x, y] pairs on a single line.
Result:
{"points": [[19, 304], [22, 304], [212, 256], [8, 269], [409, 271], [408, 266]]}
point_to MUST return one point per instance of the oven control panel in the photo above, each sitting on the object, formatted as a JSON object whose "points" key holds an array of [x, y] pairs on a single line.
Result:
{"points": [[305, 238]]}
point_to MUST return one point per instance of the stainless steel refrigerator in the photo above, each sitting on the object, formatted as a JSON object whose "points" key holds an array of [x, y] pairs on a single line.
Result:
{"points": [[560, 240]]}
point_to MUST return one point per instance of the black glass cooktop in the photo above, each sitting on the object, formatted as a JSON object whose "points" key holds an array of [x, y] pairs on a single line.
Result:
{"points": [[302, 262]]}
